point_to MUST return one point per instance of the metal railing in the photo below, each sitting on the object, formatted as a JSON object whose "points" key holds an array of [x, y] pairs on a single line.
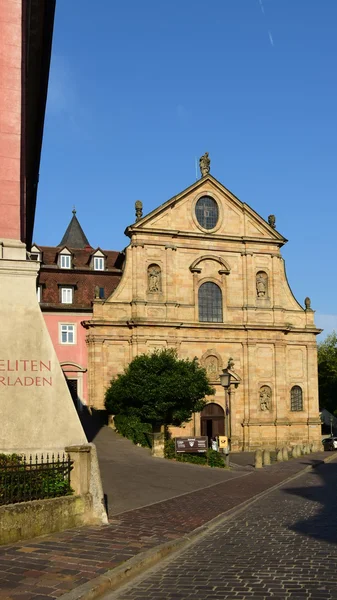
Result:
{"points": [[23, 479]]}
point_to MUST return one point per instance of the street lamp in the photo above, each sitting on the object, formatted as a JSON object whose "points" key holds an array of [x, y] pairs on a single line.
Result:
{"points": [[225, 378], [331, 422], [225, 381]]}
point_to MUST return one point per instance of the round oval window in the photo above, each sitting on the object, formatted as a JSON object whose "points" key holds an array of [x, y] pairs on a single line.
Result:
{"points": [[207, 212]]}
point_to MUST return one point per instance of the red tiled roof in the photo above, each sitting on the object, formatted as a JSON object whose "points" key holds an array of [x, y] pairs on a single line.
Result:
{"points": [[81, 256], [82, 277]]}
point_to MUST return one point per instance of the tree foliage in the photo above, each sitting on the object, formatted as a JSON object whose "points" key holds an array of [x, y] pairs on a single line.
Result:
{"points": [[159, 389], [327, 373]]}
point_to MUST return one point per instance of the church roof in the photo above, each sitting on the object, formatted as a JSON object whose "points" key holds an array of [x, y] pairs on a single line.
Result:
{"points": [[74, 236]]}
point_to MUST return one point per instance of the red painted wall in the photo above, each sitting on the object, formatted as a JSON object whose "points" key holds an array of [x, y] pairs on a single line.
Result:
{"points": [[10, 117]]}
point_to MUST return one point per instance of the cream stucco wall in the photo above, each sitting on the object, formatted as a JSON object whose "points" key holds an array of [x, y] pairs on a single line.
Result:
{"points": [[271, 338], [36, 409]]}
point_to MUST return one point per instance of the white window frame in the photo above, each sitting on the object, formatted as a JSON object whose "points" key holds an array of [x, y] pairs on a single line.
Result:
{"points": [[67, 295], [69, 329], [99, 263], [65, 261], [39, 293]]}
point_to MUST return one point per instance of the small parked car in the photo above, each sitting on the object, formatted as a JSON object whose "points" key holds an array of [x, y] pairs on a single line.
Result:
{"points": [[330, 443]]}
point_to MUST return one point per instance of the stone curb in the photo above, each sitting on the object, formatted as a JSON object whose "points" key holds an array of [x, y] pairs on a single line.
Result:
{"points": [[115, 578]]}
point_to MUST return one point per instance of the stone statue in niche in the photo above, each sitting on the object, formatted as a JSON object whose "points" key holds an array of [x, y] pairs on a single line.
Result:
{"points": [[96, 291], [262, 284], [265, 398], [204, 164], [154, 278], [212, 367]]}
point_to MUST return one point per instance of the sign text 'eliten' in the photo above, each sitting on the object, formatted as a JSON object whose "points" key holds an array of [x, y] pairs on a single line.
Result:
{"points": [[27, 369]]}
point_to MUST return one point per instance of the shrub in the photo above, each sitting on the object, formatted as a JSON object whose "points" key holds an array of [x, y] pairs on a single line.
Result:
{"points": [[9, 460], [133, 429], [21, 481], [169, 449], [196, 459], [214, 459]]}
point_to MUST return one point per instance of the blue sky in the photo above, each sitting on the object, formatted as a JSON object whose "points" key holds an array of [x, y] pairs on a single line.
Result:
{"points": [[138, 89]]}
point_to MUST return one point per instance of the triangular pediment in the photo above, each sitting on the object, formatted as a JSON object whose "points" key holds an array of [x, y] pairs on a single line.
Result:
{"points": [[234, 218], [65, 250], [98, 252]]}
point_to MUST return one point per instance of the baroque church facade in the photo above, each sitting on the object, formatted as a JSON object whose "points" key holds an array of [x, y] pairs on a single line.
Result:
{"points": [[203, 273]]}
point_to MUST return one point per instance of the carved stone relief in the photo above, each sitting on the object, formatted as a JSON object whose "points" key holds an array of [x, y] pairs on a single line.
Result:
{"points": [[154, 278], [265, 398], [262, 284], [212, 367], [212, 362]]}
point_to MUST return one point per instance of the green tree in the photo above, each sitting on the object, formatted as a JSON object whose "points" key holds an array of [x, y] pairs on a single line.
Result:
{"points": [[327, 373], [159, 389]]}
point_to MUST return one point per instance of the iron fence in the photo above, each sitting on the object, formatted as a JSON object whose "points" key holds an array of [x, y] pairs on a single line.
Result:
{"points": [[35, 478]]}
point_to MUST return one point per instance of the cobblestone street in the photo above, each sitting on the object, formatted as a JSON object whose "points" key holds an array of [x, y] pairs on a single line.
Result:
{"points": [[283, 546]]}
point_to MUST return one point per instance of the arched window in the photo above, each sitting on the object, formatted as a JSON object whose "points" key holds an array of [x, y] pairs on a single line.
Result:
{"points": [[296, 397], [210, 303]]}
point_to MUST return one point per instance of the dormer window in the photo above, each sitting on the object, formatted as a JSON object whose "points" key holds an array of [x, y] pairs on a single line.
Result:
{"points": [[98, 260], [35, 254], [98, 263], [65, 260]]}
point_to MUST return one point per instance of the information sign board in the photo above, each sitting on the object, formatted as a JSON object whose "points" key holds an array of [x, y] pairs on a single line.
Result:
{"points": [[191, 444]]}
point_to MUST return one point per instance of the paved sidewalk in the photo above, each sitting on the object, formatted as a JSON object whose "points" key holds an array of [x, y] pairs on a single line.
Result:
{"points": [[50, 566], [283, 547]]}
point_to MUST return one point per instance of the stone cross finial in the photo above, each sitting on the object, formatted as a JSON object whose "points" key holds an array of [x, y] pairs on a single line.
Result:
{"points": [[139, 209], [74, 210], [205, 164], [272, 221]]}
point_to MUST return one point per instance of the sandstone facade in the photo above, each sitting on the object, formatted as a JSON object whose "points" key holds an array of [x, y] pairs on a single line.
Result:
{"points": [[250, 314]]}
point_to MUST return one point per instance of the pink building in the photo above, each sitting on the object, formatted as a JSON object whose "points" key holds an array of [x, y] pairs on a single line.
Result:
{"points": [[71, 275]]}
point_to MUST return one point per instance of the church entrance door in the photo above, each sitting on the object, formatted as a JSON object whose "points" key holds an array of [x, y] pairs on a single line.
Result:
{"points": [[212, 421]]}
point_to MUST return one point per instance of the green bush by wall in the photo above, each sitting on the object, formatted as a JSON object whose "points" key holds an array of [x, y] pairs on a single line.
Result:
{"points": [[133, 429]]}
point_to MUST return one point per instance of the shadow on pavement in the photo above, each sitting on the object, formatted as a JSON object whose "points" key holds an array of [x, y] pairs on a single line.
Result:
{"points": [[320, 511], [92, 422]]}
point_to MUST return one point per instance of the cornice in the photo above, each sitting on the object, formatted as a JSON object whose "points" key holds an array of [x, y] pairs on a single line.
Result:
{"points": [[80, 270], [130, 231], [16, 268], [134, 323], [62, 308]]}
